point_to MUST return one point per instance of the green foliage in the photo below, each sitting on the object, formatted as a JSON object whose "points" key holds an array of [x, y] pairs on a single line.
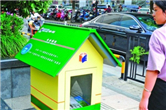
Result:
{"points": [[11, 39], [25, 6], [11, 26], [137, 52], [83, 104], [11, 45]]}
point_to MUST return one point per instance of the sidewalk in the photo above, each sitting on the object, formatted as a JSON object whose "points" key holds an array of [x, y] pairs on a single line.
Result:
{"points": [[117, 94]]}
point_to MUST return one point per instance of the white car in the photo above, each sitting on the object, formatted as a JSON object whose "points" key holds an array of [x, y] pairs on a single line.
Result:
{"points": [[102, 8], [69, 8], [144, 10], [52, 7]]}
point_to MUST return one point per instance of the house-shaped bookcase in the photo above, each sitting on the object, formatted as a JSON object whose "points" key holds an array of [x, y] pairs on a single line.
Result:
{"points": [[66, 67]]}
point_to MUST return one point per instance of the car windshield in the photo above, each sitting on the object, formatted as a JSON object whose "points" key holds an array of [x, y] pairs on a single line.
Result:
{"points": [[101, 6], [131, 6], [144, 9], [84, 7], [148, 22], [60, 7], [125, 9], [68, 7], [52, 6]]}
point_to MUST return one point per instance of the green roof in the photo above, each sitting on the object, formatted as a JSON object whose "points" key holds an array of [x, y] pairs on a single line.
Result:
{"points": [[53, 46]]}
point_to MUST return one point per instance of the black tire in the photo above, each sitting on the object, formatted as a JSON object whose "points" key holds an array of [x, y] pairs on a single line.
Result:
{"points": [[81, 20]]}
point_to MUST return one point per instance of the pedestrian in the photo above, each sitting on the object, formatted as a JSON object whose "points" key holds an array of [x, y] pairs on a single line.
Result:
{"points": [[31, 27], [120, 8], [37, 23], [154, 93], [108, 10], [93, 3], [34, 15]]}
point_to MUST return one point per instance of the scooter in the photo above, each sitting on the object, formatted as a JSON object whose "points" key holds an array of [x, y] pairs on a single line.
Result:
{"points": [[66, 16], [58, 15], [37, 23], [52, 14], [62, 18], [85, 16], [76, 17]]}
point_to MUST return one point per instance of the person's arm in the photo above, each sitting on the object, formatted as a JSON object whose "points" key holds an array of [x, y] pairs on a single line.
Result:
{"points": [[150, 80], [36, 15]]}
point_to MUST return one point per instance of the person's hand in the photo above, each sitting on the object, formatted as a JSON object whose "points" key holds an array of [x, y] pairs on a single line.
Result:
{"points": [[143, 105]]}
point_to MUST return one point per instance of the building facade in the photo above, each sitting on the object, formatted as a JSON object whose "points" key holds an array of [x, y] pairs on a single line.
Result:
{"points": [[113, 3]]}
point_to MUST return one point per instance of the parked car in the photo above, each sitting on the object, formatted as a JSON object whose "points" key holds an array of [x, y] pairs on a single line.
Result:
{"points": [[102, 8], [69, 8], [126, 9], [90, 9], [144, 10], [57, 7], [112, 27], [132, 8]]}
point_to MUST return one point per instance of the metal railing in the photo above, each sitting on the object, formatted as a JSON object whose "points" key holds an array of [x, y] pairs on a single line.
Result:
{"points": [[133, 70]]}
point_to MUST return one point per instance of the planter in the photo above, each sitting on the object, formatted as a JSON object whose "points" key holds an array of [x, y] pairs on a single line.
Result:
{"points": [[15, 78]]}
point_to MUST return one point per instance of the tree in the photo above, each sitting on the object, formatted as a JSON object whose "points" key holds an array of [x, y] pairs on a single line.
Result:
{"points": [[73, 8], [25, 6], [151, 6], [11, 25]]}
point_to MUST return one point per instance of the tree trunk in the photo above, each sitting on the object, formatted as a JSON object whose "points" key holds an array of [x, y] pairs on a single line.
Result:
{"points": [[73, 7], [151, 7], [96, 8]]}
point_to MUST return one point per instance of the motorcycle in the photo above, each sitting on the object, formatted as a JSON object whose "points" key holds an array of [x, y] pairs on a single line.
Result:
{"points": [[66, 16], [62, 18], [76, 17], [47, 15], [85, 16], [58, 15], [37, 23]]}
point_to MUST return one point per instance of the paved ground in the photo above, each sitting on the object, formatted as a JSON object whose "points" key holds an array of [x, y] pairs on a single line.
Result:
{"points": [[117, 94]]}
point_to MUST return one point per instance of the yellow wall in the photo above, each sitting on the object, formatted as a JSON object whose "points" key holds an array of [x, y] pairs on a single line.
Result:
{"points": [[44, 87], [48, 85], [94, 60]]}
